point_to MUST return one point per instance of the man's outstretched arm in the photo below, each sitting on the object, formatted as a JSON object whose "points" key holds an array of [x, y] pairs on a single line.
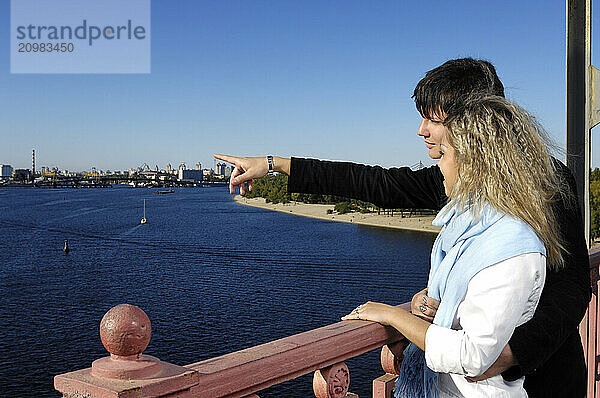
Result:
{"points": [[388, 188]]}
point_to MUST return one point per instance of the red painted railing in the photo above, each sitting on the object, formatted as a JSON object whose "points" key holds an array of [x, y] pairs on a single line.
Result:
{"points": [[589, 328], [125, 332]]}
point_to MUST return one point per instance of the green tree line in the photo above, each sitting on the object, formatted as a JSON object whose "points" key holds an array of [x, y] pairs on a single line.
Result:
{"points": [[274, 190]]}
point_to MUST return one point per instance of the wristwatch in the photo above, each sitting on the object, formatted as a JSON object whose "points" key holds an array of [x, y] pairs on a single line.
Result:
{"points": [[271, 171]]}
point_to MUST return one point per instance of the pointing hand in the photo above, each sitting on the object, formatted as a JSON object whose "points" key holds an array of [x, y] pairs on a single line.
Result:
{"points": [[246, 170]]}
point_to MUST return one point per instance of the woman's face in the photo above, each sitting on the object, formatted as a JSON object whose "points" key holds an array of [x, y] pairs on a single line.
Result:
{"points": [[448, 164]]}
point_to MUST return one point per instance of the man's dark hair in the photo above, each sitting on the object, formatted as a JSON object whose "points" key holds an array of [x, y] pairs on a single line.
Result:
{"points": [[446, 87]]}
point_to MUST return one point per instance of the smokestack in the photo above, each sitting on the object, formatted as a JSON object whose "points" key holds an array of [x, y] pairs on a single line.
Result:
{"points": [[32, 164]]}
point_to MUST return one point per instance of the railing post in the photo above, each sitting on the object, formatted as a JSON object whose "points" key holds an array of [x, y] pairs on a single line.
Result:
{"points": [[125, 333], [391, 361], [332, 381]]}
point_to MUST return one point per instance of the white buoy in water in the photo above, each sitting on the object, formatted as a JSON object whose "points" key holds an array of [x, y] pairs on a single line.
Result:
{"points": [[144, 221]]}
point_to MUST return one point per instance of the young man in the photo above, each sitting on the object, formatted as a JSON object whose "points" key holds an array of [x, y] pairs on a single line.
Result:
{"points": [[547, 349]]}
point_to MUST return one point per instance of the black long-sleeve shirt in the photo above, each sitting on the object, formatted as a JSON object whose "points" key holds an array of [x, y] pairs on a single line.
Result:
{"points": [[548, 347]]}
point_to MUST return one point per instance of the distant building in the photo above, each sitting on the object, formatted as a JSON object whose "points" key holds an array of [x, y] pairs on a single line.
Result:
{"points": [[198, 166], [21, 175], [190, 175], [228, 171], [220, 169], [149, 174], [6, 172]]}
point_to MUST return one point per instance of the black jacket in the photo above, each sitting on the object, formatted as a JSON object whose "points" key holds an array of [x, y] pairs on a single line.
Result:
{"points": [[548, 347]]}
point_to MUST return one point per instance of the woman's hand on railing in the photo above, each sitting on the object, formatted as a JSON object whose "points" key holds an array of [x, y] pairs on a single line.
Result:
{"points": [[424, 306], [370, 311], [249, 168], [411, 326]]}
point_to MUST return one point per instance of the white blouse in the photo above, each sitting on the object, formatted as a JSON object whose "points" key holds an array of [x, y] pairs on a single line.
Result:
{"points": [[498, 299]]}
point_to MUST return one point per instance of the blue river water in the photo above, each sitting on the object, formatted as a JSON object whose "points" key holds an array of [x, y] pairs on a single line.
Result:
{"points": [[212, 275]]}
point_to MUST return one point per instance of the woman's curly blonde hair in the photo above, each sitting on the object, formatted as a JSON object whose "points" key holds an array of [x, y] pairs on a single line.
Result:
{"points": [[503, 159]]}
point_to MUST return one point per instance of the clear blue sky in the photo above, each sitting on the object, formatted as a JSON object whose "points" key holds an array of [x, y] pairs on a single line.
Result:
{"points": [[326, 79]]}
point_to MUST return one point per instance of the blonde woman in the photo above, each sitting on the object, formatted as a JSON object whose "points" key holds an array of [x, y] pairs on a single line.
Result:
{"points": [[488, 264]]}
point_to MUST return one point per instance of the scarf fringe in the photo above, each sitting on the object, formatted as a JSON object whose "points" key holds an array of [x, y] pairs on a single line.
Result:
{"points": [[416, 380]]}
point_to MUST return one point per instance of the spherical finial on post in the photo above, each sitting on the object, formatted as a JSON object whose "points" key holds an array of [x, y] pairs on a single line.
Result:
{"points": [[125, 331]]}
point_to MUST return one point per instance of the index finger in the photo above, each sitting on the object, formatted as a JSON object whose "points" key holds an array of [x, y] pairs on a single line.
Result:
{"points": [[227, 158]]}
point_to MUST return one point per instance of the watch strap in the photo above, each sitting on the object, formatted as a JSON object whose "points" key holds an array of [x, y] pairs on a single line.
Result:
{"points": [[271, 165]]}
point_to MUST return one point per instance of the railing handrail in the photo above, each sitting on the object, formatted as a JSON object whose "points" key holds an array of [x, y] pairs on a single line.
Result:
{"points": [[588, 328], [235, 374], [594, 257]]}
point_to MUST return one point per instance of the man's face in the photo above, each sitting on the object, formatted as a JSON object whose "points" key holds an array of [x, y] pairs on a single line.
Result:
{"points": [[432, 131]]}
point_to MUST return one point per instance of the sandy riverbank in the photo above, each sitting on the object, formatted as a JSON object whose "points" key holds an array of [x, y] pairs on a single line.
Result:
{"points": [[417, 223]]}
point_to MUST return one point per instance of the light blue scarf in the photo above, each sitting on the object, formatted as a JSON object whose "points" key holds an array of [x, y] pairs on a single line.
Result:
{"points": [[465, 245]]}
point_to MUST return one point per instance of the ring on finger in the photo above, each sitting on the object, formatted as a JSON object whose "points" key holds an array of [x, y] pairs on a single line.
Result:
{"points": [[422, 308]]}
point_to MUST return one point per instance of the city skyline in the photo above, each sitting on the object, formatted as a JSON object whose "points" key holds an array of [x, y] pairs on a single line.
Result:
{"points": [[314, 79], [171, 167]]}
